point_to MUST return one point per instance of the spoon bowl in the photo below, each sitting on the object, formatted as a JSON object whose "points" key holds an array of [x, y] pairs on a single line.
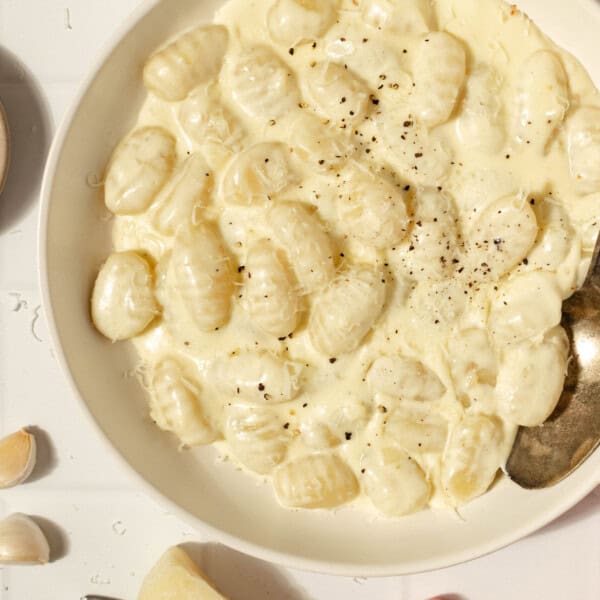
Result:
{"points": [[544, 455]]}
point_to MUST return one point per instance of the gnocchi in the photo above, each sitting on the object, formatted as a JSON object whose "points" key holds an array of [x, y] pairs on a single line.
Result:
{"points": [[503, 235], [394, 482], [270, 292], [542, 99], [533, 370], [345, 312], [439, 74], [202, 275], [315, 481], [309, 248], [175, 404], [123, 301], [372, 209], [475, 453], [257, 438], [258, 378], [474, 365], [552, 244], [138, 169], [433, 243], [343, 232], [262, 85], [322, 148], [187, 192], [337, 93], [481, 122], [413, 428], [518, 313], [257, 174], [293, 21], [192, 59], [404, 378], [205, 118]]}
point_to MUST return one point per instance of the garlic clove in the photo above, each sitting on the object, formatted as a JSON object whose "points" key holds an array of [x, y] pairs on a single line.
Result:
{"points": [[22, 541], [17, 458]]}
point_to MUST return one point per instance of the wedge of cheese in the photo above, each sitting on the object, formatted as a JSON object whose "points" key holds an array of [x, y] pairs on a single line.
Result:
{"points": [[176, 577]]}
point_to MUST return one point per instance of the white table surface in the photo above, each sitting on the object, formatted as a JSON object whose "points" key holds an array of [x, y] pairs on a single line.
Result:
{"points": [[105, 534]]}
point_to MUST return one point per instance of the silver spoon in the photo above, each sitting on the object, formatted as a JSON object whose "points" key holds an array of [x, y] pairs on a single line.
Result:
{"points": [[544, 455]]}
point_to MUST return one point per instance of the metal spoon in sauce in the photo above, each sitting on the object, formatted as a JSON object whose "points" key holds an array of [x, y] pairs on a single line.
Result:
{"points": [[544, 455]]}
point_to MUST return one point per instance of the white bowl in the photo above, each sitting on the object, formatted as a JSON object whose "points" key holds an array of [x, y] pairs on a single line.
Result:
{"points": [[213, 497]]}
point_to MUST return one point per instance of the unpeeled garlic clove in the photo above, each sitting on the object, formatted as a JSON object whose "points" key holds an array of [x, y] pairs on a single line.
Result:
{"points": [[22, 541], [17, 458]]}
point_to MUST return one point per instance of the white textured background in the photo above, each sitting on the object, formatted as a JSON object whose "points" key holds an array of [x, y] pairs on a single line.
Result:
{"points": [[106, 535]]}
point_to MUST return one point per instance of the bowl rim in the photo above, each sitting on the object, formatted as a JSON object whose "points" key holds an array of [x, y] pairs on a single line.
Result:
{"points": [[285, 559]]}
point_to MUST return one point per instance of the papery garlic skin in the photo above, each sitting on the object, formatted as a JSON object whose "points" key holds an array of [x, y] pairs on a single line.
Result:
{"points": [[17, 458]]}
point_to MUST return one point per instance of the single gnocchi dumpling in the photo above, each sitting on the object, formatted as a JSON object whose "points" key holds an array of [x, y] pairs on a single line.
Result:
{"points": [[476, 450], [412, 427], [175, 404], [192, 59], [257, 438], [480, 125], [188, 191], [439, 72], [123, 301], [417, 154], [542, 99], [309, 248], [346, 311], [293, 21], [518, 313], [405, 16], [503, 235], [584, 149], [257, 174], [322, 148], [432, 253], [338, 94], [262, 85], [205, 118], [372, 209], [315, 481], [555, 236], [473, 365], [203, 276], [257, 377], [138, 169], [270, 294], [404, 378], [394, 482], [531, 378], [350, 416]]}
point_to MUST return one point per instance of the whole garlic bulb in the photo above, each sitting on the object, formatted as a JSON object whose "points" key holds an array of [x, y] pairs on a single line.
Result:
{"points": [[22, 541], [17, 458]]}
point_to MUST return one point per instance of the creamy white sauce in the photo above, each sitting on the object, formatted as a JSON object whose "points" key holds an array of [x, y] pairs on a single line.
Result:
{"points": [[444, 154]]}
